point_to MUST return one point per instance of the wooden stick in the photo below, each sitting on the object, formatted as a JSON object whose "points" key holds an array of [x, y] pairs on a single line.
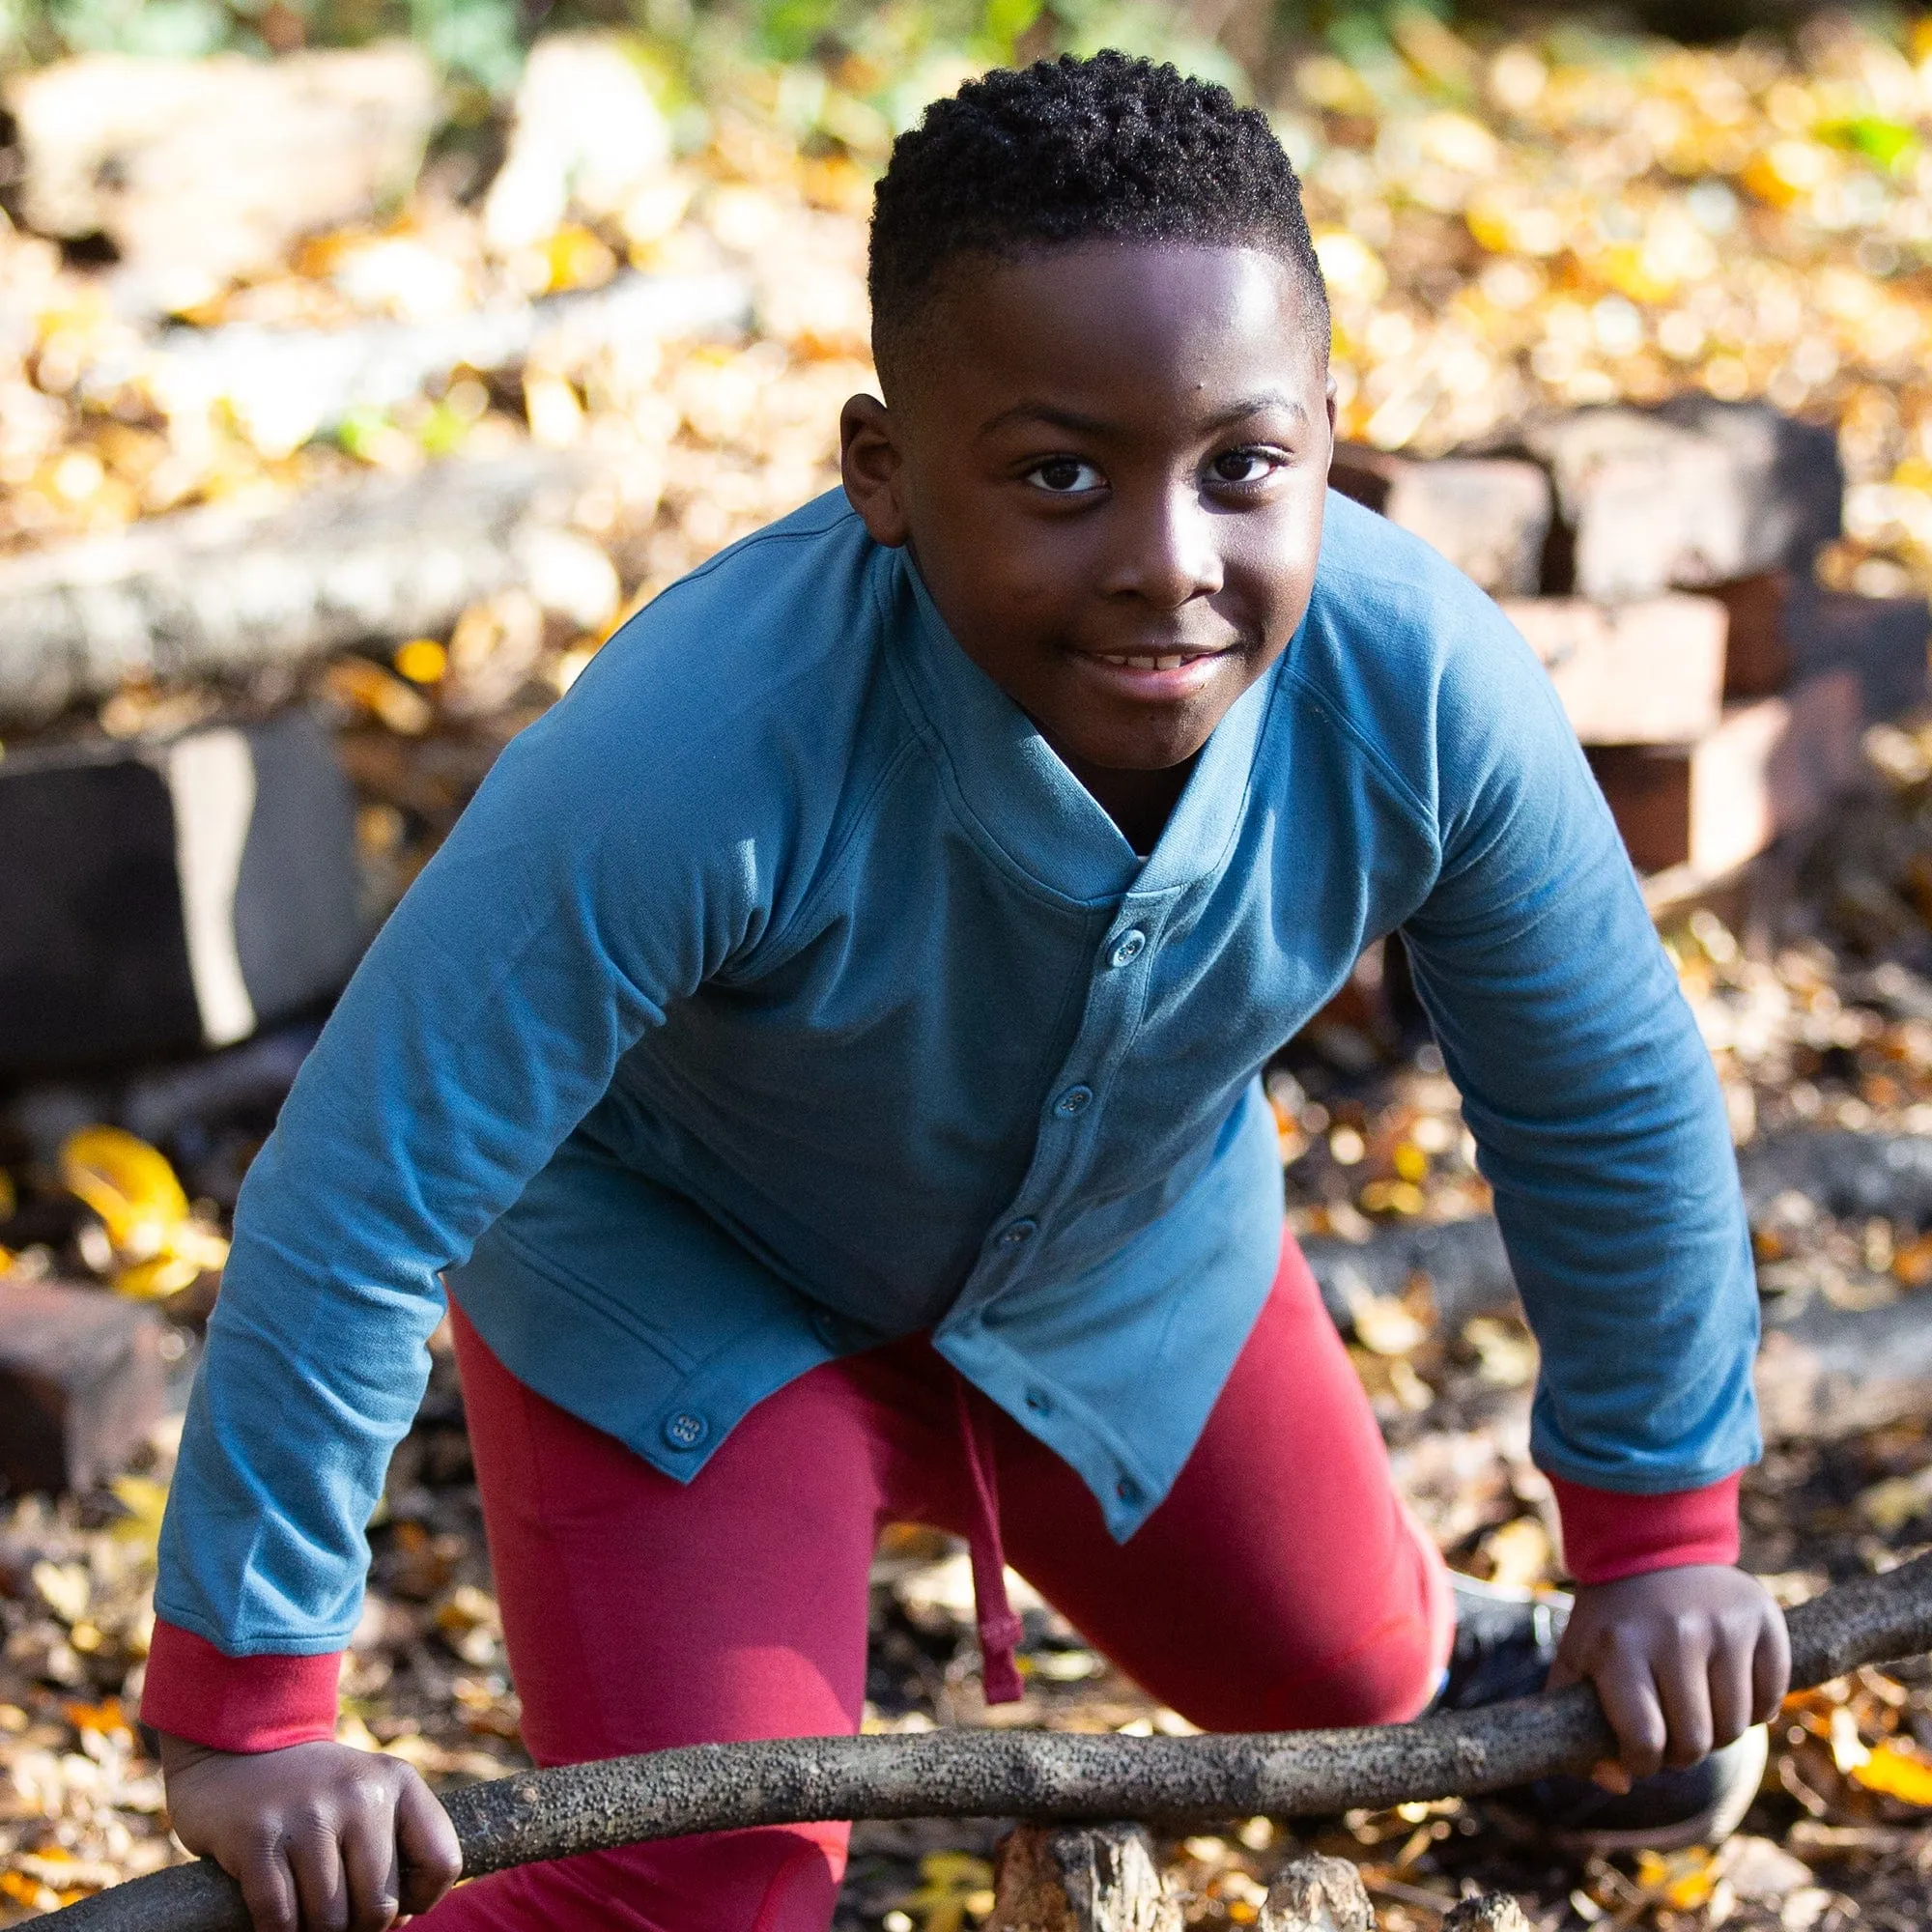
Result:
{"points": [[1043, 1774]]}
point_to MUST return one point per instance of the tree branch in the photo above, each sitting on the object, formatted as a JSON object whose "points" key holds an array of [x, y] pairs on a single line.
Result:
{"points": [[1042, 1774]]}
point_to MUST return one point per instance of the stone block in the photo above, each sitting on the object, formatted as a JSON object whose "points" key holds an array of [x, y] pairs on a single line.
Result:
{"points": [[1768, 768], [83, 1378], [1489, 515], [167, 896], [1650, 672], [1685, 498]]}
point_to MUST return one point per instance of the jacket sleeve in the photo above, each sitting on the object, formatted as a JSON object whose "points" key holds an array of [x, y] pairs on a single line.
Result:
{"points": [[609, 864], [1598, 1116]]}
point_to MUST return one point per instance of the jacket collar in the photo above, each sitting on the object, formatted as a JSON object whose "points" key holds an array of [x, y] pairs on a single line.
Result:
{"points": [[1014, 784]]}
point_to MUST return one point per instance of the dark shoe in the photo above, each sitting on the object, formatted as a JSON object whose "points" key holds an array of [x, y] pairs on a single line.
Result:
{"points": [[1505, 1643]]}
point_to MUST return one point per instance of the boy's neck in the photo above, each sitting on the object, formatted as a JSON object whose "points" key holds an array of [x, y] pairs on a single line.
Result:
{"points": [[1139, 802]]}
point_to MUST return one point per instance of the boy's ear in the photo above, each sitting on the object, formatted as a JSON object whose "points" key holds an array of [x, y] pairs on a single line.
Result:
{"points": [[871, 466]]}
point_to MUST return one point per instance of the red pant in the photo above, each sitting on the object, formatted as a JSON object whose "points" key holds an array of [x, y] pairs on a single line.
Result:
{"points": [[1281, 1584]]}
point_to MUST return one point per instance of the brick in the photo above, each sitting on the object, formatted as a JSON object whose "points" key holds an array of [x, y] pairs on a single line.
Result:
{"points": [[1489, 515], [170, 895], [1789, 470], [1882, 640], [1757, 648], [83, 1378], [1696, 495], [1645, 673], [1769, 768]]}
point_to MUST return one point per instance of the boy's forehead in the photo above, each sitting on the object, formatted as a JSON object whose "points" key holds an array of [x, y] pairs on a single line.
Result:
{"points": [[1153, 318]]}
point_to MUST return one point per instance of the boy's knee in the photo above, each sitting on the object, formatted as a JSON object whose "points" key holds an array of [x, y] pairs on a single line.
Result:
{"points": [[1386, 1679]]}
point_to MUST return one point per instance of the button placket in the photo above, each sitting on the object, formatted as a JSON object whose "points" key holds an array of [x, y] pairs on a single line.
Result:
{"points": [[1063, 1150]]}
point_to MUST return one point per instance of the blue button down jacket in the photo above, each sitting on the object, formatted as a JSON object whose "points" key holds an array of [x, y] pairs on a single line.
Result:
{"points": [[781, 992]]}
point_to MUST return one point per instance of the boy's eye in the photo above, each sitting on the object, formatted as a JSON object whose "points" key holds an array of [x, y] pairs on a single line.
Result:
{"points": [[1245, 465], [1065, 476]]}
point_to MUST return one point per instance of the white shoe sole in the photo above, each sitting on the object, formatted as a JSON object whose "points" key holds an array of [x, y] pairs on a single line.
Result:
{"points": [[1708, 1827]]}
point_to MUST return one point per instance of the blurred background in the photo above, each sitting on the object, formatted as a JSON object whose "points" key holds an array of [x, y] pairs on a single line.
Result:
{"points": [[363, 364]]}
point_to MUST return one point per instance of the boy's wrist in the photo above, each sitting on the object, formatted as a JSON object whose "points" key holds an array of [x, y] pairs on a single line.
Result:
{"points": [[1608, 1534], [197, 1693]]}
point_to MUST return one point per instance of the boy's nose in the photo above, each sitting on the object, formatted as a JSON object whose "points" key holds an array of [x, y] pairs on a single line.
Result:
{"points": [[1166, 551]]}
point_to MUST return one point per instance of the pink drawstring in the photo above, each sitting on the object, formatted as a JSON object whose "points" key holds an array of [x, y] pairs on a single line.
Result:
{"points": [[1000, 1630]]}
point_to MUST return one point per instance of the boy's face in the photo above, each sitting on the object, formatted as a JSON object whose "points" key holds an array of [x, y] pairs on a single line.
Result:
{"points": [[1108, 461]]}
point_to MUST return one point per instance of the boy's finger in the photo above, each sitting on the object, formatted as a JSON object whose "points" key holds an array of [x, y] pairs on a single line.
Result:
{"points": [[1733, 1696], [1684, 1690], [1628, 1697], [316, 1859], [375, 1877], [1771, 1670], [432, 1857], [268, 1890]]}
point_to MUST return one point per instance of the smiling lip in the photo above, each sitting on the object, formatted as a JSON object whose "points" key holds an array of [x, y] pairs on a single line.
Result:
{"points": [[1163, 675]]}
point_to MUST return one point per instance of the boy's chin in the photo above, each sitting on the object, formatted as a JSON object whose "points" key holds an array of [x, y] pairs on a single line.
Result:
{"points": [[1148, 745]]}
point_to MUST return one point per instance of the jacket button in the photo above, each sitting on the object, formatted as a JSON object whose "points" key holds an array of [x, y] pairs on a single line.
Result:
{"points": [[825, 1325], [1129, 947], [1074, 1102], [1039, 1402], [686, 1431], [1127, 1489], [1019, 1233]]}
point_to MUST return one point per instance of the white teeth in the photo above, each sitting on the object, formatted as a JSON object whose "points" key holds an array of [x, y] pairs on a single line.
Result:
{"points": [[1172, 661]]}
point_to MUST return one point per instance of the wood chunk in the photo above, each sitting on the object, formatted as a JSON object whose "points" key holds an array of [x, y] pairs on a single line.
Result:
{"points": [[172, 895], [1318, 1894], [1489, 515], [1486, 1911], [82, 1378], [1650, 672], [1095, 1878], [1767, 769]]}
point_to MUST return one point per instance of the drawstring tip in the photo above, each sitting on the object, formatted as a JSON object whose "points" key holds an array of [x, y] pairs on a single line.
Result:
{"points": [[1000, 1678]]}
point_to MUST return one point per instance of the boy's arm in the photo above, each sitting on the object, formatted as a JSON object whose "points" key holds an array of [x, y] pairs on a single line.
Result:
{"points": [[594, 879], [1602, 1128]]}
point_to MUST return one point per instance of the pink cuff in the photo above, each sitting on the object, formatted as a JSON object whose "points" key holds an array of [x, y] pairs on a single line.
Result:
{"points": [[195, 1691], [1607, 1535]]}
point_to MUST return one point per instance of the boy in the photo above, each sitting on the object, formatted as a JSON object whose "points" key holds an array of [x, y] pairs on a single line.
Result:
{"points": [[824, 1059]]}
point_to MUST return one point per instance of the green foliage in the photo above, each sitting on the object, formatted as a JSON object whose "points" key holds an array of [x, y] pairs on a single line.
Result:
{"points": [[480, 42]]}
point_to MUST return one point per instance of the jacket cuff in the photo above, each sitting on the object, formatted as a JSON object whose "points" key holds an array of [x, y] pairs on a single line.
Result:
{"points": [[1607, 1534], [196, 1692]]}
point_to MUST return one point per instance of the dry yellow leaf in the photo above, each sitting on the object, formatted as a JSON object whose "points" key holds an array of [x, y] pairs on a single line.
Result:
{"points": [[128, 1184], [1897, 1774]]}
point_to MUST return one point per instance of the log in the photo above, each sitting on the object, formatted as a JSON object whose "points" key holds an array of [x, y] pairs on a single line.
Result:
{"points": [[1042, 1776], [1823, 1372], [226, 591], [288, 385], [198, 170], [1103, 1878]]}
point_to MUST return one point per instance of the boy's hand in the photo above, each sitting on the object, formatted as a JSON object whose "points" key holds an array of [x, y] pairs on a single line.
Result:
{"points": [[319, 1836], [1684, 1660]]}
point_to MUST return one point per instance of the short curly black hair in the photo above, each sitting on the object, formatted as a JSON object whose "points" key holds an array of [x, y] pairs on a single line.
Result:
{"points": [[1071, 150]]}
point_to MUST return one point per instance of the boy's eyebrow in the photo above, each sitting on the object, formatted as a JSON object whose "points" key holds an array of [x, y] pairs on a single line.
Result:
{"points": [[1071, 420]]}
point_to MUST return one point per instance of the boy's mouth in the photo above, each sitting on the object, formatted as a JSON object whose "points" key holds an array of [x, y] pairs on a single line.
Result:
{"points": [[1171, 660], [1160, 677]]}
